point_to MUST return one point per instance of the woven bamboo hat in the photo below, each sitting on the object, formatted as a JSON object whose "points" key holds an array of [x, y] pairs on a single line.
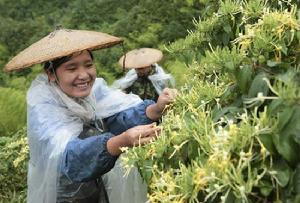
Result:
{"points": [[61, 42], [140, 58]]}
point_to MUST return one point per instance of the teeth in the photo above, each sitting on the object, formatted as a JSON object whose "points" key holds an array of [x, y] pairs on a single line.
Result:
{"points": [[82, 86]]}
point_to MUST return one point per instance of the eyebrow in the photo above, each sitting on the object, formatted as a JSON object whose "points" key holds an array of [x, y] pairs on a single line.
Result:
{"points": [[75, 63]]}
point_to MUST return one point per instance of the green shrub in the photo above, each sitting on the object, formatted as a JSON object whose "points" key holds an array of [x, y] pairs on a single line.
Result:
{"points": [[13, 167], [233, 133], [178, 70], [12, 111]]}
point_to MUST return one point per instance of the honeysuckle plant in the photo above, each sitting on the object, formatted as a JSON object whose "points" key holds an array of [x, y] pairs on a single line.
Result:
{"points": [[233, 134]]}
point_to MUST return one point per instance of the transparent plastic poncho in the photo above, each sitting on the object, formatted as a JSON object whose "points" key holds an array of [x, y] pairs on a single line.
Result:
{"points": [[159, 79], [54, 119]]}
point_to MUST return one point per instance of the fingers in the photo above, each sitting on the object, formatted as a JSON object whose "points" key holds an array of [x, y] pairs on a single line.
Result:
{"points": [[150, 131], [146, 140], [174, 93], [170, 94], [144, 130], [146, 133], [169, 90], [143, 127]]}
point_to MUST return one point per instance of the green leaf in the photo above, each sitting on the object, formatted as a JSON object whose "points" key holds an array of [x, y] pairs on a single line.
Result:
{"points": [[225, 38], [283, 172], [271, 63], [298, 35], [284, 117], [244, 78], [265, 187], [288, 131], [275, 106], [227, 28], [297, 134], [267, 141], [286, 147], [261, 59], [284, 49], [229, 65], [297, 199], [230, 198], [296, 180], [258, 85], [228, 111], [146, 170]]}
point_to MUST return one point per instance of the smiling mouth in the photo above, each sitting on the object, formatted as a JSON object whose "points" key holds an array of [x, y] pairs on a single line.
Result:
{"points": [[82, 86]]}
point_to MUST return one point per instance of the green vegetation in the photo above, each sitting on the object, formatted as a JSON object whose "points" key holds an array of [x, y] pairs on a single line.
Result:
{"points": [[13, 167], [140, 23], [13, 110], [233, 133]]}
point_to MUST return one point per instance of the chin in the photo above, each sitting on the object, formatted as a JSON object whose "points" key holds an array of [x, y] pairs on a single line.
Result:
{"points": [[81, 94]]}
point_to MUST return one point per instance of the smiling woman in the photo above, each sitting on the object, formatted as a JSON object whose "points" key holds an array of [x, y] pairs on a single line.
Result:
{"points": [[76, 76], [77, 125]]}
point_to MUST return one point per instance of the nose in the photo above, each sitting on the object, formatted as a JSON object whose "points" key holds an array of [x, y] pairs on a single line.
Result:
{"points": [[83, 74]]}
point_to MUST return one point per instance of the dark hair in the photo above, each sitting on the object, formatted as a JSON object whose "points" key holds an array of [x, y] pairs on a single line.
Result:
{"points": [[53, 65]]}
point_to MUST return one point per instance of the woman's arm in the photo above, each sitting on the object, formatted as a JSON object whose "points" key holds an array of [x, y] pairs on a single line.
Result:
{"points": [[90, 158], [134, 116], [87, 159], [144, 113]]}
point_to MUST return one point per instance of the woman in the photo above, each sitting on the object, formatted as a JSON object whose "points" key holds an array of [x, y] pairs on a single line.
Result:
{"points": [[77, 127]]}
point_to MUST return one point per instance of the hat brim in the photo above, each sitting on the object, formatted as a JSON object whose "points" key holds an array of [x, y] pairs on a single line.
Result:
{"points": [[140, 58], [58, 44]]}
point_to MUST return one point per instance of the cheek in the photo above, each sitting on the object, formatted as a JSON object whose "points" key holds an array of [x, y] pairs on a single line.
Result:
{"points": [[65, 79], [66, 83], [93, 73]]}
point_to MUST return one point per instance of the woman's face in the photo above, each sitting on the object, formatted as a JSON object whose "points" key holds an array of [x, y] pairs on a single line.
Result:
{"points": [[76, 76]]}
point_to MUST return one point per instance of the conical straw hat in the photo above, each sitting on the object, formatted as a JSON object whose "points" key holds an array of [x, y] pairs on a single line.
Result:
{"points": [[140, 58], [61, 42]]}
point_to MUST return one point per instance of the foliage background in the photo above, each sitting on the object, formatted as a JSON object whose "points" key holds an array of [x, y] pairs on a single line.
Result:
{"points": [[140, 23], [231, 136], [233, 133]]}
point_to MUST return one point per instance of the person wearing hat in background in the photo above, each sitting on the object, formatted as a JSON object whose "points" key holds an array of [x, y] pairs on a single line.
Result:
{"points": [[77, 124], [146, 78]]}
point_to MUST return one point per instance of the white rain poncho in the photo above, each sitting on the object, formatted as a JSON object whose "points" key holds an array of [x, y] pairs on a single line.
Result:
{"points": [[53, 120], [159, 79]]}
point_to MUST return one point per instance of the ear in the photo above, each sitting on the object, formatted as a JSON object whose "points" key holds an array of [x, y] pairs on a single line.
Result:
{"points": [[51, 76]]}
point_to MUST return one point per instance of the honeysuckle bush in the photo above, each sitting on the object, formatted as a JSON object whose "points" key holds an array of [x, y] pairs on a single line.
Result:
{"points": [[233, 133], [14, 155]]}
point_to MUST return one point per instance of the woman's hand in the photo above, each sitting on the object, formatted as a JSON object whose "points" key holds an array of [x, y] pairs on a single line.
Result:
{"points": [[135, 136], [141, 134], [167, 96]]}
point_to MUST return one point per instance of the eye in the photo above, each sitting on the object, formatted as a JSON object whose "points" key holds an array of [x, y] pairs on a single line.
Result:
{"points": [[89, 65], [71, 68]]}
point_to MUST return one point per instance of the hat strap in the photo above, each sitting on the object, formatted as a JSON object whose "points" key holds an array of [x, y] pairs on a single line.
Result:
{"points": [[51, 68], [124, 58]]}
